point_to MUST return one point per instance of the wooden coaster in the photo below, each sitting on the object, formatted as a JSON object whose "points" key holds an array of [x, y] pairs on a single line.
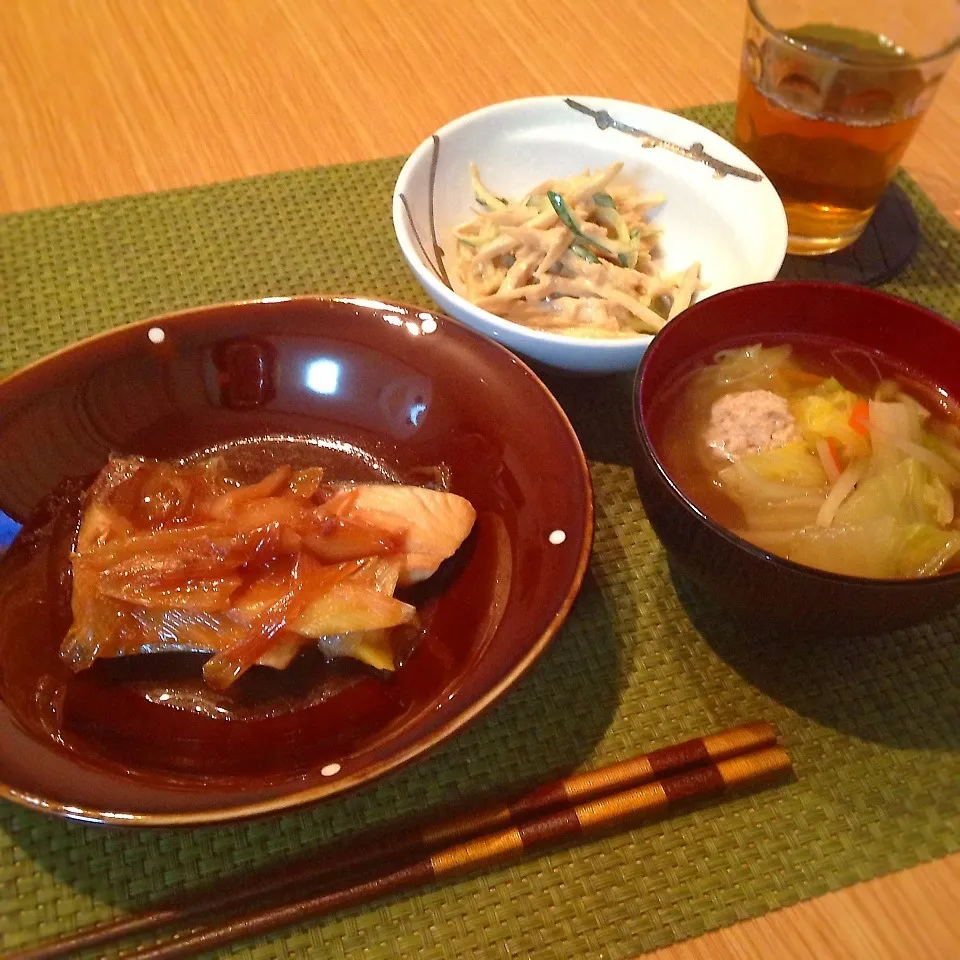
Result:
{"points": [[882, 251]]}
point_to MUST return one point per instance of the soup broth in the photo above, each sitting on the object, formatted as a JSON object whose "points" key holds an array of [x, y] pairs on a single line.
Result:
{"points": [[818, 451]]}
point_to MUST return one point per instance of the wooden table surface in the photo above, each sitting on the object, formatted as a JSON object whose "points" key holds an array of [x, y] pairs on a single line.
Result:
{"points": [[109, 97]]}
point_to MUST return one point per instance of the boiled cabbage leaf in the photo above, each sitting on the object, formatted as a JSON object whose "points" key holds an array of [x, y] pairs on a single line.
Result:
{"points": [[778, 488], [793, 464], [858, 549], [891, 525], [748, 368], [877, 548], [907, 491], [925, 549], [825, 415]]}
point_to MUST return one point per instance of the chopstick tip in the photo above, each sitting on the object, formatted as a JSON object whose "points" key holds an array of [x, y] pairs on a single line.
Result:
{"points": [[758, 766]]}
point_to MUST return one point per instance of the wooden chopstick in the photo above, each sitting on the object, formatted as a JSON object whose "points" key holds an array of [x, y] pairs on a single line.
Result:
{"points": [[561, 826], [233, 894]]}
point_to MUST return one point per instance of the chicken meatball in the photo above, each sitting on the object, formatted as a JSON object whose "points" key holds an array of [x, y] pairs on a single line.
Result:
{"points": [[749, 422]]}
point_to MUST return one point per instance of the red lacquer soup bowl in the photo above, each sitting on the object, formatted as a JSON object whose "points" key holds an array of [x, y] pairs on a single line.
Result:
{"points": [[369, 391], [759, 587]]}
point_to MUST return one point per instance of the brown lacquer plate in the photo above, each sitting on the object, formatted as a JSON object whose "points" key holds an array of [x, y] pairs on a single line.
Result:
{"points": [[368, 390]]}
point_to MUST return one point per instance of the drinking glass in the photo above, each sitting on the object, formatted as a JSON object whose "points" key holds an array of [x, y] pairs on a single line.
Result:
{"points": [[831, 93]]}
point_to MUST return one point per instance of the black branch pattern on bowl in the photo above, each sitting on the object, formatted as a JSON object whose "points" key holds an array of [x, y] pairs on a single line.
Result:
{"points": [[695, 151], [435, 264]]}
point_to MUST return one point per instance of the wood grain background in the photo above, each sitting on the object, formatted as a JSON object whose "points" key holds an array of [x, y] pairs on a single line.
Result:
{"points": [[106, 97]]}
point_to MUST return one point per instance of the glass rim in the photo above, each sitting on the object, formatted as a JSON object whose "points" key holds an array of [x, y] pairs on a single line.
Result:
{"points": [[950, 47]]}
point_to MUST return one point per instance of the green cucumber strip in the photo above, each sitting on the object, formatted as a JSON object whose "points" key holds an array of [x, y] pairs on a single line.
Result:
{"points": [[570, 222], [583, 253]]}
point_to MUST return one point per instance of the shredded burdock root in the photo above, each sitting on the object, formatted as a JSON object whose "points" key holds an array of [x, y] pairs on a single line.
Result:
{"points": [[576, 257]]}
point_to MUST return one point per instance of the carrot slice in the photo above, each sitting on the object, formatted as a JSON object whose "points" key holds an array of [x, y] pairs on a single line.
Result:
{"points": [[834, 447], [802, 377], [860, 417]]}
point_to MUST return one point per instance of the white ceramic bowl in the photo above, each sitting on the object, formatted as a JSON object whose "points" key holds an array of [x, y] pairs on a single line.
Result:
{"points": [[735, 227]]}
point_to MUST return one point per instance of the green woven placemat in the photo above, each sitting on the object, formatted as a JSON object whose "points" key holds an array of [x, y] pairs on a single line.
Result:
{"points": [[873, 725]]}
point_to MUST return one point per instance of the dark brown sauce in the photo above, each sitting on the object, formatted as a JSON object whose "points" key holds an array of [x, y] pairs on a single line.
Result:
{"points": [[153, 712], [678, 418]]}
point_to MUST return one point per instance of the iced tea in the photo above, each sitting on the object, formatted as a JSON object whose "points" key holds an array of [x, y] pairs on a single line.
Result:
{"points": [[827, 113]]}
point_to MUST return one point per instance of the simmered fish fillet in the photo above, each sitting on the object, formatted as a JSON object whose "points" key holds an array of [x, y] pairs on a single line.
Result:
{"points": [[433, 524], [173, 558]]}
